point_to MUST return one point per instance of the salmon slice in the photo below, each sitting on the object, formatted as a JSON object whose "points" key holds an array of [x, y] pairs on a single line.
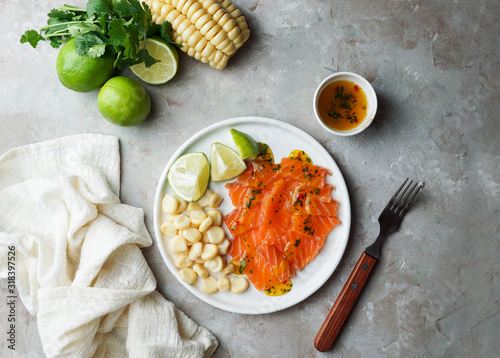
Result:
{"points": [[259, 174], [275, 214], [259, 272], [273, 257], [304, 202], [243, 219], [243, 245], [307, 173], [241, 195], [299, 250], [318, 226], [315, 207]]}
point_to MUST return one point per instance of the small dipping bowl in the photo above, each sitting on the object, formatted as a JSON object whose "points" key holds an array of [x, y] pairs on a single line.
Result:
{"points": [[371, 99]]}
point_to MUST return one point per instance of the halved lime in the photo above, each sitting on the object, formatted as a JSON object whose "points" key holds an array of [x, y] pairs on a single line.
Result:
{"points": [[247, 146], [188, 176], [225, 162], [163, 71]]}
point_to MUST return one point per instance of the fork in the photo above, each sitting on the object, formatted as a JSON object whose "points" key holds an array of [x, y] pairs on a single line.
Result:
{"points": [[389, 220]]}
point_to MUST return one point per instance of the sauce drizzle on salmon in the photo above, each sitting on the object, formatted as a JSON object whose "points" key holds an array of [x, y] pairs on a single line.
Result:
{"points": [[283, 214]]}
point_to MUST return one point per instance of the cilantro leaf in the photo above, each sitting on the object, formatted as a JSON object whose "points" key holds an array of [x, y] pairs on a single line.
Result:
{"points": [[32, 37], [83, 28], [166, 33], [99, 7], [128, 8], [117, 33], [145, 57], [56, 41], [103, 22], [97, 50], [89, 44], [60, 14]]}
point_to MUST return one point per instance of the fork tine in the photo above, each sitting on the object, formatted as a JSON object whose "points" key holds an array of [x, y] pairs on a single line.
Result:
{"points": [[391, 202], [407, 206], [400, 205], [401, 197]]}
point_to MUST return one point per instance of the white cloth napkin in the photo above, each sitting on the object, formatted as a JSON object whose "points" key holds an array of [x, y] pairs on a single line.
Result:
{"points": [[79, 267]]}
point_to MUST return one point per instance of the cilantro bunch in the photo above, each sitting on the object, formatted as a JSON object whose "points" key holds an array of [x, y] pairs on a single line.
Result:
{"points": [[104, 28]]}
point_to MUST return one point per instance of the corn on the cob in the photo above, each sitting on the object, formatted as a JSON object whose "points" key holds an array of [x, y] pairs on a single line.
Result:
{"points": [[211, 31]]}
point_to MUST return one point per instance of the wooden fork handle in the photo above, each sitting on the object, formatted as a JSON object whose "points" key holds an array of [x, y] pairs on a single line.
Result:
{"points": [[344, 303]]}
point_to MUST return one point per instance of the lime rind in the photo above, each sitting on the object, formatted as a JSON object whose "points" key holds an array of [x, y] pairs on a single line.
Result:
{"points": [[247, 146], [189, 176], [225, 163]]}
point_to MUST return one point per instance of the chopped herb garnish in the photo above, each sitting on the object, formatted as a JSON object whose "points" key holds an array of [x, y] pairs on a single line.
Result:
{"points": [[243, 264], [249, 202], [345, 102]]}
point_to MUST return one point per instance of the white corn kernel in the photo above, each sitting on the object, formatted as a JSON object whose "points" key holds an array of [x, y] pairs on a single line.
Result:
{"points": [[192, 234], [200, 270], [172, 217], [206, 224], [197, 217], [182, 206], [227, 270], [223, 246], [215, 265], [178, 244], [204, 238], [239, 284], [195, 250], [204, 199], [182, 260], [215, 200], [216, 216], [194, 206], [209, 252], [216, 235], [168, 229], [223, 284], [169, 204], [188, 275], [182, 222], [199, 260], [209, 285]]}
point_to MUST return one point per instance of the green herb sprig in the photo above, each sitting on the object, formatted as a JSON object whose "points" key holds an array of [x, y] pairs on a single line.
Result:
{"points": [[105, 27]]}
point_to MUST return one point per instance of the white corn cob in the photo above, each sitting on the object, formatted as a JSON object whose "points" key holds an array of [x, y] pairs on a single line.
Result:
{"points": [[211, 31]]}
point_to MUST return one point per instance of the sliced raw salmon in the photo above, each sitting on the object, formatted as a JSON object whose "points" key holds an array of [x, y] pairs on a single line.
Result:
{"points": [[283, 214]]}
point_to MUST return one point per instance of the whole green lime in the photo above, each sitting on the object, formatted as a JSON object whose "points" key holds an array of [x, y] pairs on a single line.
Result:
{"points": [[124, 101], [82, 73]]}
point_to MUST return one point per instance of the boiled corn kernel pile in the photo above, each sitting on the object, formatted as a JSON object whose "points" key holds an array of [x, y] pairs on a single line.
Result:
{"points": [[211, 31], [199, 243]]}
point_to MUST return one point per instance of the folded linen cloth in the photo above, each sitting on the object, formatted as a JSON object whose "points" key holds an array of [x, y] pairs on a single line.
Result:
{"points": [[79, 267]]}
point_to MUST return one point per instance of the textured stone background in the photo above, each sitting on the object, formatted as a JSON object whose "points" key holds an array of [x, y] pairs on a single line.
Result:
{"points": [[435, 67]]}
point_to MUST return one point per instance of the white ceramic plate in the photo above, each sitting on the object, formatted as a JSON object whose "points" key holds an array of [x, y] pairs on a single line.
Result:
{"points": [[282, 138]]}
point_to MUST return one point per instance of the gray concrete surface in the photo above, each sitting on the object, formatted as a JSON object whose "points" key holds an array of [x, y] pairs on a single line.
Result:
{"points": [[435, 67]]}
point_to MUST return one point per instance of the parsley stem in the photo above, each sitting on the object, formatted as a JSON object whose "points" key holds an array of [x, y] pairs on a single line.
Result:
{"points": [[67, 23], [71, 8]]}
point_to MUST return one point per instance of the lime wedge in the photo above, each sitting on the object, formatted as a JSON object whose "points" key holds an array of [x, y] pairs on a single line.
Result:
{"points": [[163, 71], [225, 162], [247, 146], [188, 176]]}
